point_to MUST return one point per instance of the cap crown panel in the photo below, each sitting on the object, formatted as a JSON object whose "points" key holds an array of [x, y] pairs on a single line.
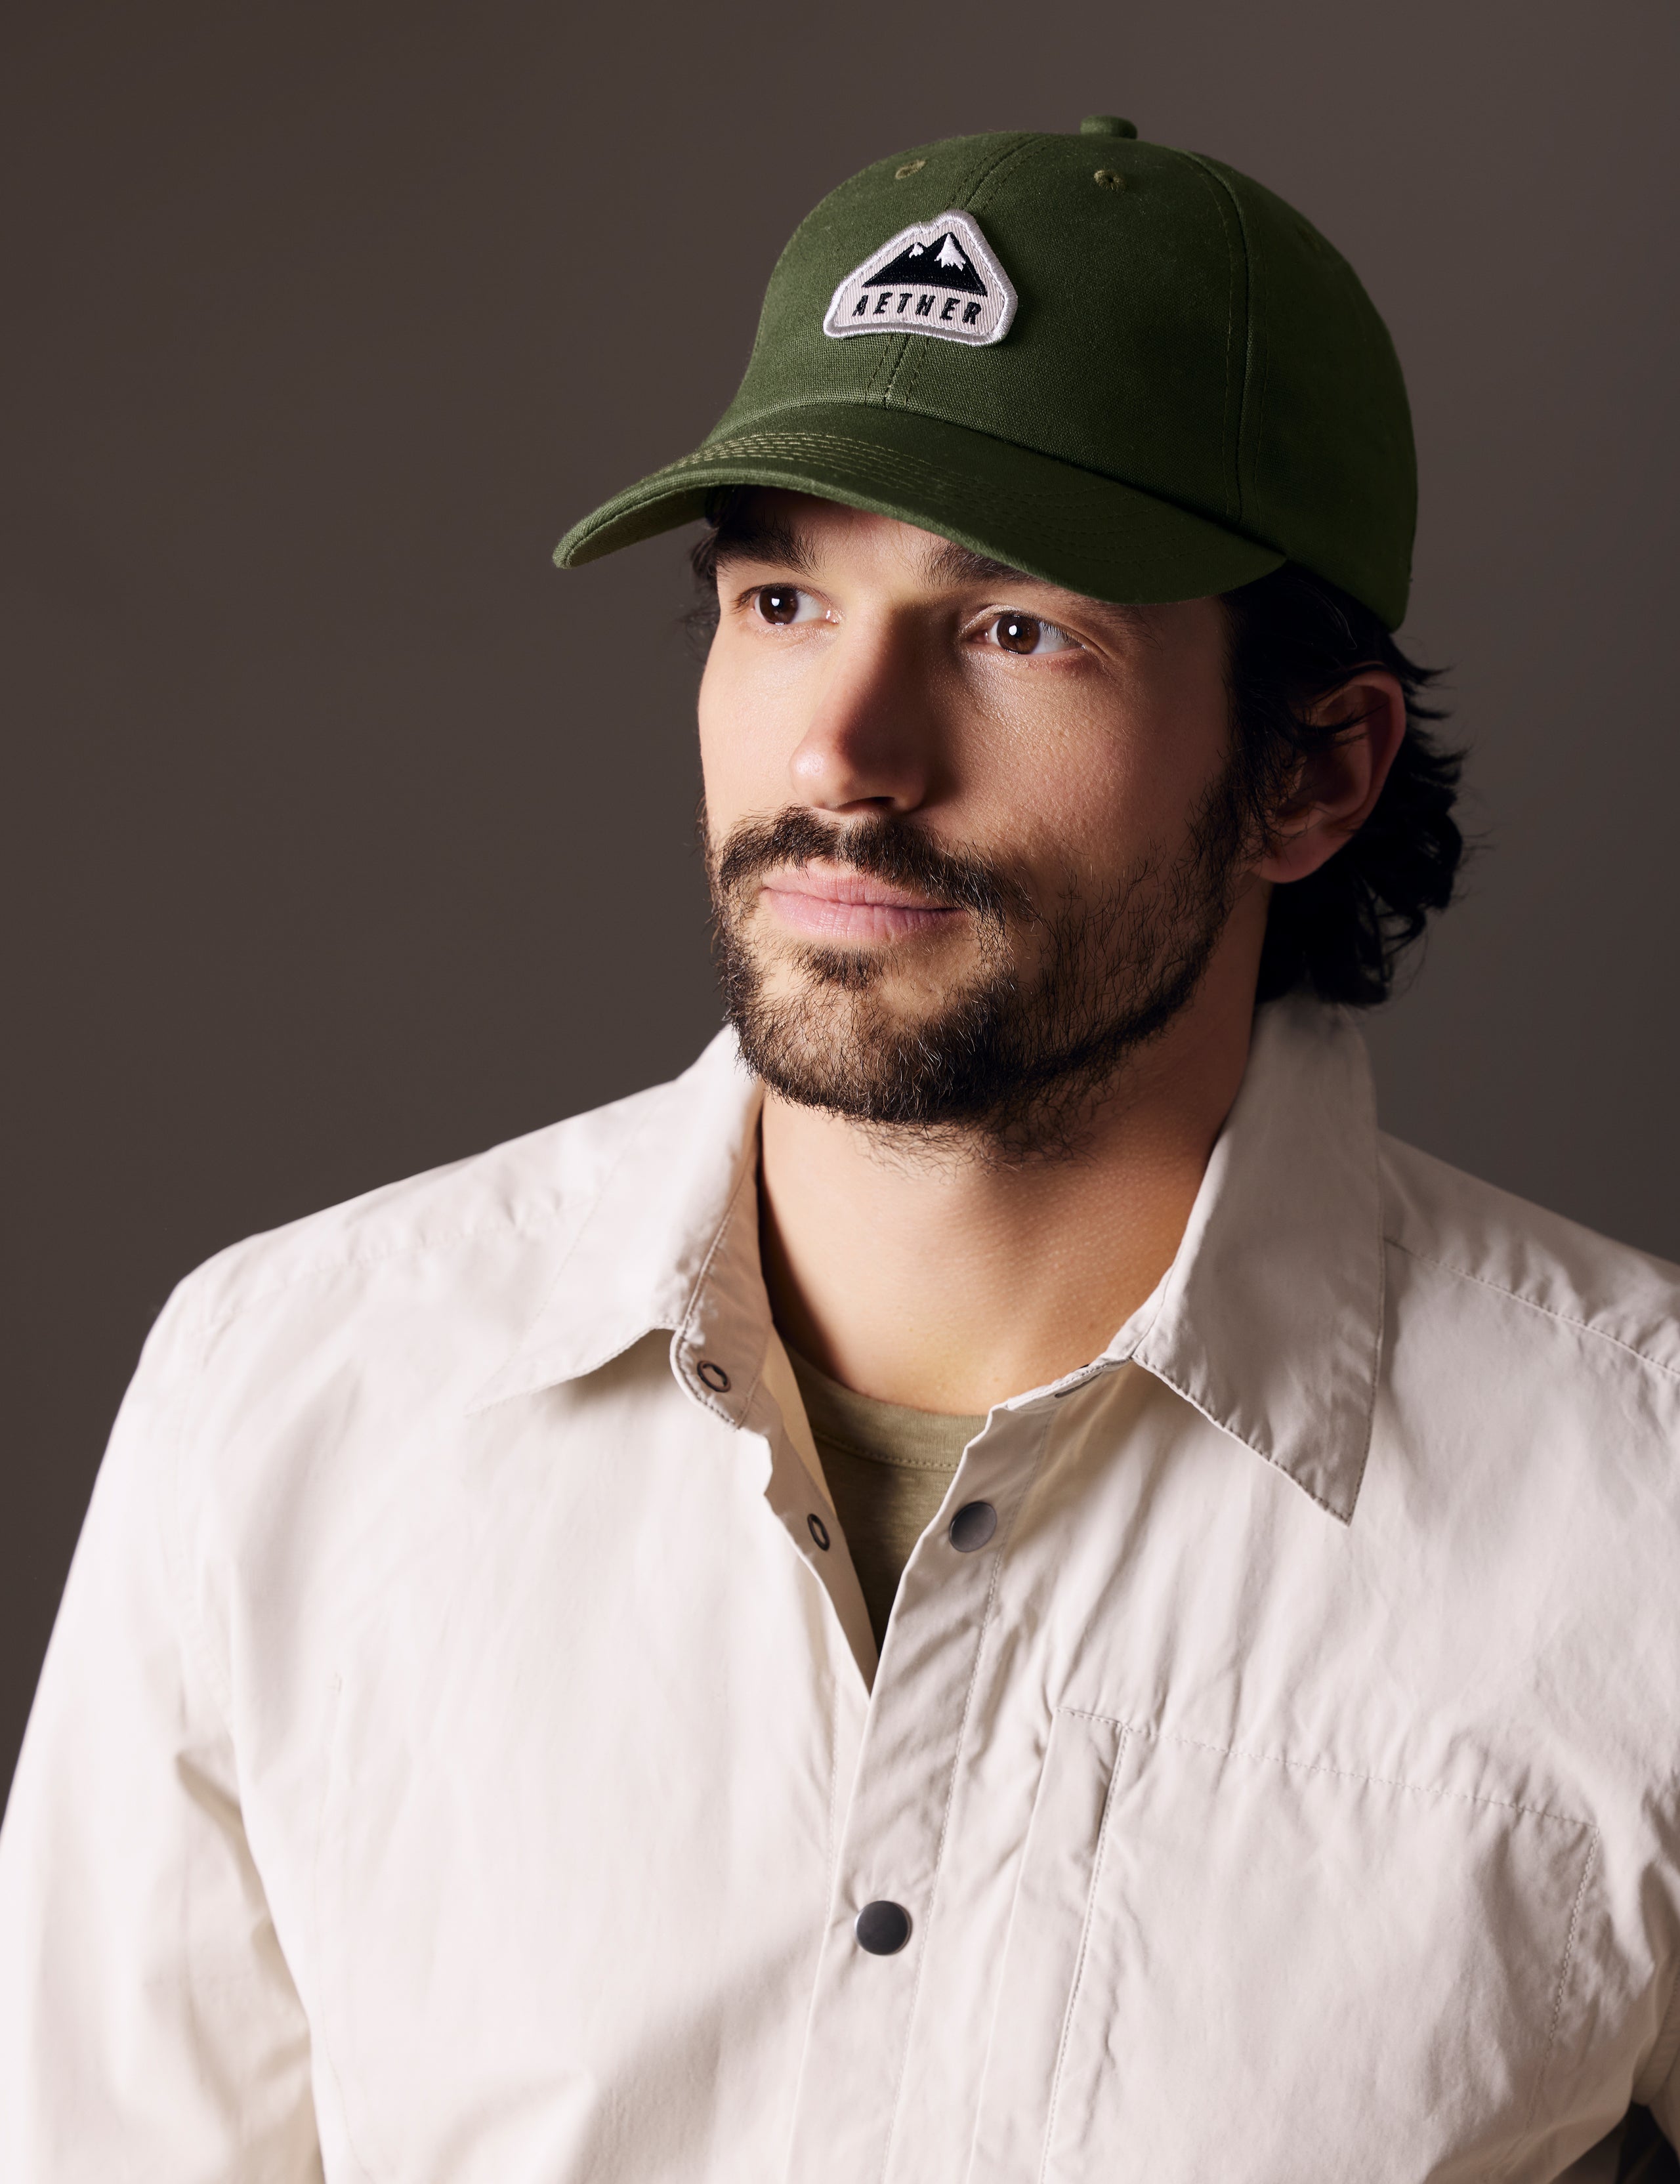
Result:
{"points": [[1120, 293], [1328, 466]]}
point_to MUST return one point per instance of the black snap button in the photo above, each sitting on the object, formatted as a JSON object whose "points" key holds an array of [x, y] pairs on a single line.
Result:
{"points": [[819, 1530], [882, 1928], [714, 1375], [971, 1527]]}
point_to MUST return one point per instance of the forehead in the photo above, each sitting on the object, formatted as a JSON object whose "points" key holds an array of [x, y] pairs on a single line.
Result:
{"points": [[797, 531]]}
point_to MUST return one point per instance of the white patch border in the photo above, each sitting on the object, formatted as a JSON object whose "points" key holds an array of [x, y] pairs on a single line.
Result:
{"points": [[841, 327]]}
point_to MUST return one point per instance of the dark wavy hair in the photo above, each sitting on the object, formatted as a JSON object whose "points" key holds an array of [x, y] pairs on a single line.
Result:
{"points": [[1294, 637], [1340, 933]]}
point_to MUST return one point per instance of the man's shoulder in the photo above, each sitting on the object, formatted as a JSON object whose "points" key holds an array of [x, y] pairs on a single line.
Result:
{"points": [[1546, 1275], [511, 1200]]}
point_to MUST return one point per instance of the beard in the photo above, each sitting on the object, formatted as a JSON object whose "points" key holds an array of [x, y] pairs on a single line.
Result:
{"points": [[1012, 1062]]}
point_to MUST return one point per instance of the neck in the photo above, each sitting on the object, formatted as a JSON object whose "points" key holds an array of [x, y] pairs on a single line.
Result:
{"points": [[934, 1278]]}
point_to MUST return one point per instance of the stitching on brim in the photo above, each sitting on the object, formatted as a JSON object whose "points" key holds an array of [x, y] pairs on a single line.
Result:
{"points": [[892, 466]]}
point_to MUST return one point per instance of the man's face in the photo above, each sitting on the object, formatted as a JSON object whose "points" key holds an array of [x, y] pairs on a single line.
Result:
{"points": [[972, 839]]}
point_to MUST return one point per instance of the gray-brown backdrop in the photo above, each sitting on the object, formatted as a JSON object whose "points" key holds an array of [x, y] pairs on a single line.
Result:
{"points": [[343, 836]]}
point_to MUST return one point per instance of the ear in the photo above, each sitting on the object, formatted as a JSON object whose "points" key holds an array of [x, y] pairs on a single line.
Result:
{"points": [[1333, 796]]}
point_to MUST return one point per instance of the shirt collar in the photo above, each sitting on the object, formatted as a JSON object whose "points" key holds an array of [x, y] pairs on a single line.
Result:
{"points": [[666, 1236], [1269, 1320]]}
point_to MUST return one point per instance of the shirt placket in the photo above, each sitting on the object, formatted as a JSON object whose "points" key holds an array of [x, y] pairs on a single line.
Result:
{"points": [[887, 1905]]}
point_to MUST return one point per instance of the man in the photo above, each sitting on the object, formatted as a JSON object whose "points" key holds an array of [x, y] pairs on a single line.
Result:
{"points": [[1006, 1591]]}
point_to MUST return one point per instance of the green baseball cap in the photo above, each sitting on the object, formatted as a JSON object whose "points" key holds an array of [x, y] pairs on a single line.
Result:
{"points": [[1126, 370]]}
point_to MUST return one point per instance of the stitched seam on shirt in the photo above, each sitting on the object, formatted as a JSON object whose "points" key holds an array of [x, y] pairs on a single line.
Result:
{"points": [[1379, 1322], [1665, 2051], [1564, 1972], [1416, 1789], [319, 2034], [582, 1230], [1532, 1304], [360, 1262], [1084, 1948], [1528, 2136], [895, 1463], [749, 1174], [1245, 1441], [951, 1791], [192, 1634], [513, 1224], [1334, 1773], [834, 1820]]}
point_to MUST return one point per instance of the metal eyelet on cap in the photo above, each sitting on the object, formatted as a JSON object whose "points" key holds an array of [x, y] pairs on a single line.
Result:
{"points": [[911, 167], [714, 1375], [1109, 178], [818, 1530]]}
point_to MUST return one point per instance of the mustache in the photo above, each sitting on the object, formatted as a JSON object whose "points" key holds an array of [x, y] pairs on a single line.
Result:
{"points": [[882, 848]]}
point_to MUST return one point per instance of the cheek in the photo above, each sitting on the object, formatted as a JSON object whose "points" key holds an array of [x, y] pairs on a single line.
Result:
{"points": [[1091, 793], [1088, 798], [727, 744], [744, 737]]}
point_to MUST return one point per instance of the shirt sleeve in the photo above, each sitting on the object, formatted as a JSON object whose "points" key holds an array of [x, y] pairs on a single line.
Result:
{"points": [[150, 2027]]}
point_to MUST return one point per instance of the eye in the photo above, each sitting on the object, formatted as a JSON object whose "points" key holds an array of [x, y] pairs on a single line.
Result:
{"points": [[782, 604], [1014, 632]]}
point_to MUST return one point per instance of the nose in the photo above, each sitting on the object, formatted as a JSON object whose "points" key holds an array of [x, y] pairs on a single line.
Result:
{"points": [[870, 744]]}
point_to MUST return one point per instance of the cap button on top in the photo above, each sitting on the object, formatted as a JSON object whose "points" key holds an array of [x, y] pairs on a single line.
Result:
{"points": [[1107, 124]]}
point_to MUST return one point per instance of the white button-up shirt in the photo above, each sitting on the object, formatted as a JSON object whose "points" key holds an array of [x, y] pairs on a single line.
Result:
{"points": [[461, 1760]]}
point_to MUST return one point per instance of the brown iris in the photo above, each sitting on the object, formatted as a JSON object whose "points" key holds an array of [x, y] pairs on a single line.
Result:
{"points": [[1018, 632]]}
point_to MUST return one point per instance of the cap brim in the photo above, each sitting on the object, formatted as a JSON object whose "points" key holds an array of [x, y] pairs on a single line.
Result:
{"points": [[1049, 518]]}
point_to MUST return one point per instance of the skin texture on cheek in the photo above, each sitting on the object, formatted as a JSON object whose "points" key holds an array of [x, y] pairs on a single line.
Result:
{"points": [[1079, 771], [1067, 817]]}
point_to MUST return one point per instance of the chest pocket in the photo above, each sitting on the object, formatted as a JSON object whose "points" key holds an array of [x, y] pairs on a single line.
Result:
{"points": [[1221, 1965]]}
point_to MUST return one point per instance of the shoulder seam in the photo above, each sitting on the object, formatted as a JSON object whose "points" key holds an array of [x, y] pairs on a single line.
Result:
{"points": [[1532, 1304], [212, 1322], [191, 1633]]}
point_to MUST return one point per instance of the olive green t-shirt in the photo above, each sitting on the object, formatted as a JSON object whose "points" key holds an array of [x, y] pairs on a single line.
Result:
{"points": [[887, 1468]]}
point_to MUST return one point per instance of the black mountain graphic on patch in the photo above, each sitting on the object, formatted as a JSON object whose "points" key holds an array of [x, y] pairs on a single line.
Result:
{"points": [[941, 264]]}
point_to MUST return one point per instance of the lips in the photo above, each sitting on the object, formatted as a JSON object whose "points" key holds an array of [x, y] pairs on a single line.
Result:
{"points": [[835, 904]]}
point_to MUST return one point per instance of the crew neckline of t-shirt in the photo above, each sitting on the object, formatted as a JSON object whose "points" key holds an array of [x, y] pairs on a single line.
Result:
{"points": [[880, 1433]]}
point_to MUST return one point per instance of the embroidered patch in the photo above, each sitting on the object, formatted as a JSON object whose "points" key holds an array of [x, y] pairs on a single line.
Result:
{"points": [[938, 278]]}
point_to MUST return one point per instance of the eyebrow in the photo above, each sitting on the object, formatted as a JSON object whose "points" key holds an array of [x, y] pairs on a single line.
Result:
{"points": [[952, 564], [762, 538]]}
